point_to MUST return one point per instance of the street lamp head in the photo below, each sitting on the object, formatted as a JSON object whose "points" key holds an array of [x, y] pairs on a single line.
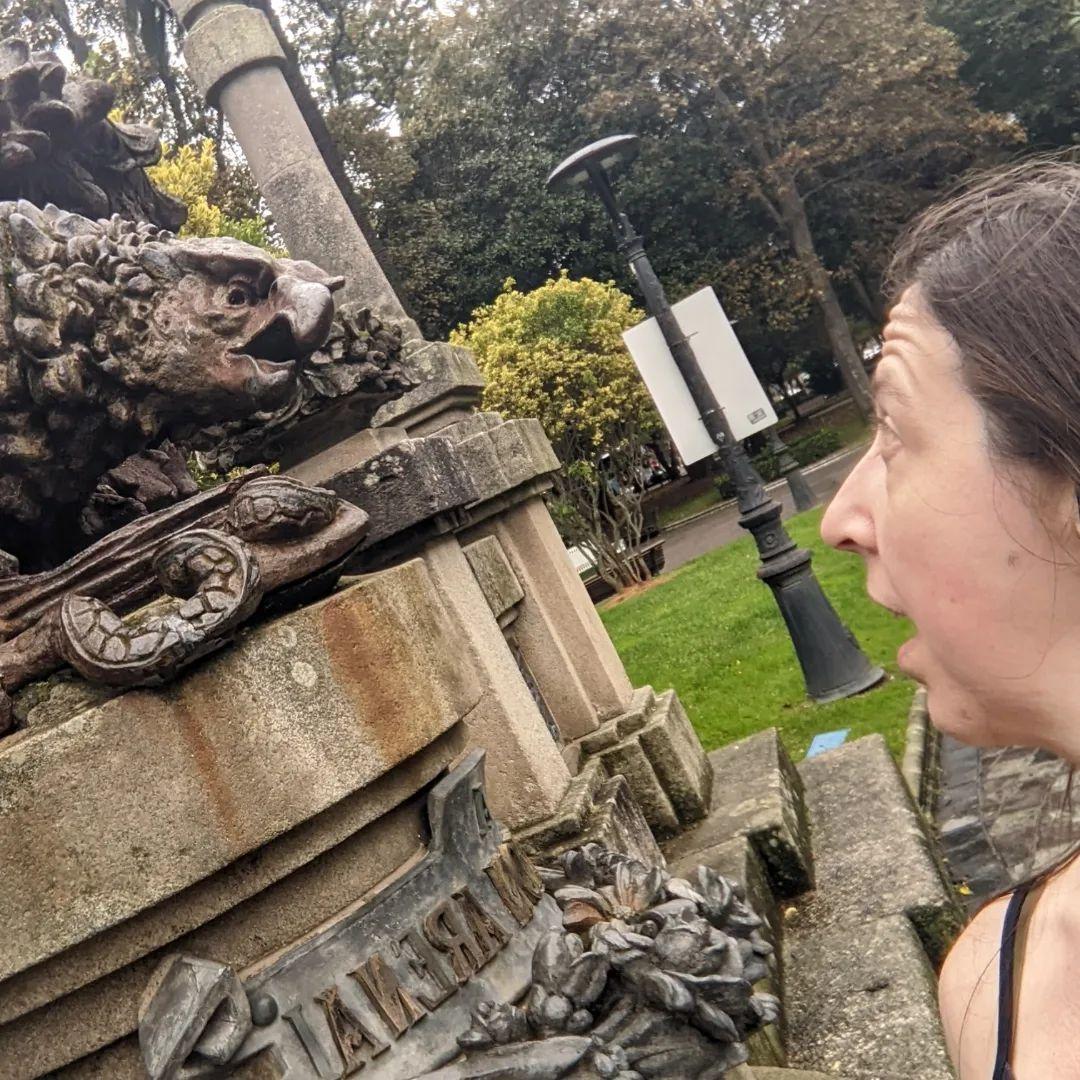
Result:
{"points": [[602, 154]]}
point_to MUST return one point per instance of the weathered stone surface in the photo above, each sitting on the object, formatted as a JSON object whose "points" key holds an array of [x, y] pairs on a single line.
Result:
{"points": [[571, 814], [334, 829], [654, 746], [227, 40], [756, 792], [79, 1027], [860, 1001], [124, 804], [557, 628], [596, 809], [873, 854], [449, 388], [502, 454], [405, 486], [341, 451], [526, 775], [496, 576]]}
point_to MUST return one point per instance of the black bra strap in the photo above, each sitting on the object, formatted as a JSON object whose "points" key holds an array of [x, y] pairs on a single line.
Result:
{"points": [[1006, 971]]}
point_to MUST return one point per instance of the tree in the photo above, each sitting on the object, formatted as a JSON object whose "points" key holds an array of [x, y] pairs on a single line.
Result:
{"points": [[191, 175], [816, 127], [1021, 59], [804, 98], [556, 353]]}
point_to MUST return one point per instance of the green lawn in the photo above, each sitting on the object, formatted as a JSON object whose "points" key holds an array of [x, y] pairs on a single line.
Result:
{"points": [[713, 632]]}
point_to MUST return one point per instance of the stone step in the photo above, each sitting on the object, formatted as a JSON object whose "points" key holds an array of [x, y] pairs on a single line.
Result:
{"points": [[859, 989], [873, 854], [756, 793], [861, 1000]]}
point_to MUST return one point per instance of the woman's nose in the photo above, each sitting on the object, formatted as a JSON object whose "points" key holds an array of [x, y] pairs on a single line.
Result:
{"points": [[848, 523]]}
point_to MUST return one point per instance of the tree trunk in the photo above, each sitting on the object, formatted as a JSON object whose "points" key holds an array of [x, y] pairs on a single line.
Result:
{"points": [[847, 356], [871, 302]]}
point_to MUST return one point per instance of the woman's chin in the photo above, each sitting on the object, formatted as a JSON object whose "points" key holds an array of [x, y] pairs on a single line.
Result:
{"points": [[905, 659]]}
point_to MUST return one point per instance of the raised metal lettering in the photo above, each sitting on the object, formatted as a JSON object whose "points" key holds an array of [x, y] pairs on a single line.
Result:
{"points": [[350, 1035], [398, 1008]]}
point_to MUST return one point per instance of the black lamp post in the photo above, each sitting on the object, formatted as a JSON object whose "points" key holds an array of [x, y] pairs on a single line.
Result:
{"points": [[833, 664]]}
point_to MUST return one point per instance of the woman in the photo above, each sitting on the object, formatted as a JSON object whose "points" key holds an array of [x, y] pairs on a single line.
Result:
{"points": [[965, 510]]}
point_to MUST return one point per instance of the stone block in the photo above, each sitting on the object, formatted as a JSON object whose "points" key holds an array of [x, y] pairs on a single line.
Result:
{"points": [[527, 776], [316, 448], [757, 793], [860, 1000], [496, 576], [629, 760], [570, 817], [75, 1027], [677, 757], [596, 809], [558, 630], [404, 487], [208, 901], [117, 808], [502, 455], [450, 385], [874, 856], [653, 745]]}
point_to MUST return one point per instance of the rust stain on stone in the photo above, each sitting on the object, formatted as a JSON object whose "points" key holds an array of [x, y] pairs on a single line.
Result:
{"points": [[394, 664], [217, 787]]}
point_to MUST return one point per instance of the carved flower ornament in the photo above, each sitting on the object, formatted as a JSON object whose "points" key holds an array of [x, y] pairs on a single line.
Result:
{"points": [[650, 976]]}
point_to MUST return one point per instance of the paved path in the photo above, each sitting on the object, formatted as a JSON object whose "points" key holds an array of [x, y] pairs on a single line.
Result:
{"points": [[719, 527]]}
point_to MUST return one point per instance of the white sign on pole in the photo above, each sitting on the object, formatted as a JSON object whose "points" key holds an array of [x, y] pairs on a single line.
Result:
{"points": [[723, 363]]}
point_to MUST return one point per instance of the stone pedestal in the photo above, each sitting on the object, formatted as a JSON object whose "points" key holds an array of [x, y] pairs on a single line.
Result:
{"points": [[224, 815]]}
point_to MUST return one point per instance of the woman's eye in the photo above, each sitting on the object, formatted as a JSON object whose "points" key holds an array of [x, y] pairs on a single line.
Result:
{"points": [[887, 435], [238, 296]]}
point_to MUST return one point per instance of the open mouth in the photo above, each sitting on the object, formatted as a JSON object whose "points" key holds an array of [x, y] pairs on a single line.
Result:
{"points": [[273, 350]]}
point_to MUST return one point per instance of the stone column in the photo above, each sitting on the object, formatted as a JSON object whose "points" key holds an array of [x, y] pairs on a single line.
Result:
{"points": [[236, 61]]}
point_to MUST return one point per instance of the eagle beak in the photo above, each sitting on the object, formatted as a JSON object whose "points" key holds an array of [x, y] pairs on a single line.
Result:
{"points": [[307, 307]]}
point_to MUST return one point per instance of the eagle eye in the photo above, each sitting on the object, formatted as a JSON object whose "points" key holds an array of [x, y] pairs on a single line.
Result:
{"points": [[239, 295]]}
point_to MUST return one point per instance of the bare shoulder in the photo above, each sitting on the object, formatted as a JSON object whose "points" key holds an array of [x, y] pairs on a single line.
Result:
{"points": [[967, 991]]}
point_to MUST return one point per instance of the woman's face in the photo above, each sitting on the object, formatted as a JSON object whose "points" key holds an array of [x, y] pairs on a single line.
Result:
{"points": [[983, 558]]}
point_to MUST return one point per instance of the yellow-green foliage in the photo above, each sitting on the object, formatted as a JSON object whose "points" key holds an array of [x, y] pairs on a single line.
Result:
{"points": [[557, 353], [188, 174]]}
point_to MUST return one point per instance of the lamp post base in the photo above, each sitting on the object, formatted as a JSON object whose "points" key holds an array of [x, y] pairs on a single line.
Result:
{"points": [[832, 663]]}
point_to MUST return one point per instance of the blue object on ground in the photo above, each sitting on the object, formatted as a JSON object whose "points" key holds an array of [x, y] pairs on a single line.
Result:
{"points": [[827, 740]]}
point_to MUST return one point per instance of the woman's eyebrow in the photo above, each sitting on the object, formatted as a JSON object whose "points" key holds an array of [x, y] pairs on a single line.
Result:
{"points": [[882, 384]]}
